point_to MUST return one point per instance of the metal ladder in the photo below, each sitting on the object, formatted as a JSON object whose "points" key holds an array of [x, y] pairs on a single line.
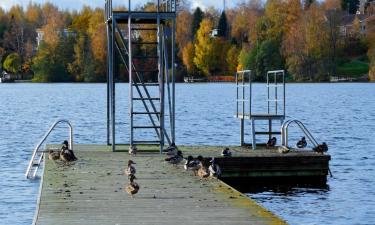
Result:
{"points": [[153, 105], [285, 133], [37, 156]]}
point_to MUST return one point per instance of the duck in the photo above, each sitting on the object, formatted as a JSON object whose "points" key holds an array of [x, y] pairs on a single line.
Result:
{"points": [[132, 188], [214, 169], [321, 148], [172, 150], [52, 155], [174, 160], [193, 164], [271, 142], [226, 152], [203, 170], [67, 154], [302, 143], [133, 150], [131, 169]]}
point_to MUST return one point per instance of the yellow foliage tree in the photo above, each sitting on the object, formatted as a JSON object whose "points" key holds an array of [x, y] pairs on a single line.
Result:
{"points": [[188, 53], [204, 47]]}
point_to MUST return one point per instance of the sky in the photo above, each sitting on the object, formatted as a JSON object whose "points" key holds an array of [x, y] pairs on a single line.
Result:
{"points": [[77, 4]]}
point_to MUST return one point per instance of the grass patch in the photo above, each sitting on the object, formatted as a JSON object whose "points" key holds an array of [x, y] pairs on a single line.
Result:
{"points": [[353, 68]]}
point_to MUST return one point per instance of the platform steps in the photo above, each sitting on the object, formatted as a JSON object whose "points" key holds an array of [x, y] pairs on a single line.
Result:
{"points": [[144, 103]]}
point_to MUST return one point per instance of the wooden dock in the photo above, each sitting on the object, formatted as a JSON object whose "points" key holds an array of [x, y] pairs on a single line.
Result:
{"points": [[91, 190]]}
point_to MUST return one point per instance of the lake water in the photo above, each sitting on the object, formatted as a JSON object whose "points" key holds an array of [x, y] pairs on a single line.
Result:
{"points": [[343, 115]]}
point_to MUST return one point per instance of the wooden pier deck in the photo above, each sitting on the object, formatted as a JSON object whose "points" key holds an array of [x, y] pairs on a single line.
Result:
{"points": [[91, 191]]}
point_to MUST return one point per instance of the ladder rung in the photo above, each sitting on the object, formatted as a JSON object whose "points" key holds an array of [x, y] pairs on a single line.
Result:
{"points": [[145, 43], [145, 57], [145, 127], [145, 71], [146, 142], [139, 99], [143, 28], [146, 84], [146, 113], [268, 133]]}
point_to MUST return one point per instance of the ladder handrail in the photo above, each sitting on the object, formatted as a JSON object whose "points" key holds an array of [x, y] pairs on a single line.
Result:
{"points": [[35, 151], [284, 132]]}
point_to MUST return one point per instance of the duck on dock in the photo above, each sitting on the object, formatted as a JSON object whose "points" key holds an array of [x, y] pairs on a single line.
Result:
{"points": [[52, 155], [226, 152], [214, 169], [302, 143], [321, 148], [203, 170], [172, 150], [193, 164], [67, 154], [131, 169], [133, 150], [132, 188], [271, 142], [174, 160]]}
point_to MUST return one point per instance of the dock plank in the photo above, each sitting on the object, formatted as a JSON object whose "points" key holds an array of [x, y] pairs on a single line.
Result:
{"points": [[91, 191]]}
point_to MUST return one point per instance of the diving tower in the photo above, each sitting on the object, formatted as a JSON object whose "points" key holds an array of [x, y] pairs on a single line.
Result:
{"points": [[144, 42], [250, 103]]}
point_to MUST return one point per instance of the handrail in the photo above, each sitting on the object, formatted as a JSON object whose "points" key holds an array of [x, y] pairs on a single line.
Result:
{"points": [[284, 132], [31, 163]]}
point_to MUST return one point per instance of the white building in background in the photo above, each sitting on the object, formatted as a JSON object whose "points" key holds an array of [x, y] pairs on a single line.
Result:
{"points": [[40, 35]]}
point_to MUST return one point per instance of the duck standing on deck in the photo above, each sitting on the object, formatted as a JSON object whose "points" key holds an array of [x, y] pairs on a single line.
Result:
{"points": [[172, 150], [193, 164], [133, 150], [131, 169], [302, 143], [132, 188], [203, 170], [67, 154], [174, 160], [52, 155], [271, 142], [226, 152], [214, 169]]}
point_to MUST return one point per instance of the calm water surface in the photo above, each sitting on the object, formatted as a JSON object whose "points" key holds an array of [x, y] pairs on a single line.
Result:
{"points": [[343, 115]]}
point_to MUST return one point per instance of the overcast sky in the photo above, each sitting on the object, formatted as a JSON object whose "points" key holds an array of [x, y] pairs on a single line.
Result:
{"points": [[77, 4]]}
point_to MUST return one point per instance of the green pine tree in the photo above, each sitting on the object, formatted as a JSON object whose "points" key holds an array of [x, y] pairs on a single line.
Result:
{"points": [[223, 25], [197, 19]]}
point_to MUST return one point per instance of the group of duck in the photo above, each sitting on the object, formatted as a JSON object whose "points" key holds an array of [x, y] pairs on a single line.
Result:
{"points": [[65, 154], [132, 188], [203, 167]]}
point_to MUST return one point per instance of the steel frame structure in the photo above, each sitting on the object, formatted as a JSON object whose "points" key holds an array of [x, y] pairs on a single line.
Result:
{"points": [[121, 43]]}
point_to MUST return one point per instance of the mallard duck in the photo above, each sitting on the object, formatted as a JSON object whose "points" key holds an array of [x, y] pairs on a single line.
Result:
{"points": [[132, 188], [193, 164], [302, 143], [131, 169], [65, 146], [133, 150], [52, 155], [174, 160], [172, 150], [271, 142], [203, 170], [321, 148], [226, 152], [214, 169]]}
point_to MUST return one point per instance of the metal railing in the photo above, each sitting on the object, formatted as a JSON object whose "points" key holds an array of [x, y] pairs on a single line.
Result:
{"points": [[33, 166], [285, 133]]}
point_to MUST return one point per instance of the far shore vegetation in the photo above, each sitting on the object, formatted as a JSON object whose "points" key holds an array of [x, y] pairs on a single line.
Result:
{"points": [[312, 40]]}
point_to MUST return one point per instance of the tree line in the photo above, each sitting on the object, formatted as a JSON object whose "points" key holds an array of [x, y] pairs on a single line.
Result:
{"points": [[303, 38]]}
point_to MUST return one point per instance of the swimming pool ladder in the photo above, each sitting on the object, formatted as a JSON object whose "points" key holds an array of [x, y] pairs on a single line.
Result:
{"points": [[285, 133], [37, 156]]}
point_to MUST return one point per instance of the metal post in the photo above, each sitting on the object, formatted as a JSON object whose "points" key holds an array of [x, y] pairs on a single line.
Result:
{"points": [[108, 73], [250, 92], [275, 83], [173, 81], [130, 76], [284, 104], [113, 87], [268, 94], [242, 132]]}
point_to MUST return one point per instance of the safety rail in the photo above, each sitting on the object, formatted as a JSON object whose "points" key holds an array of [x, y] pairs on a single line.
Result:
{"points": [[284, 132], [33, 166]]}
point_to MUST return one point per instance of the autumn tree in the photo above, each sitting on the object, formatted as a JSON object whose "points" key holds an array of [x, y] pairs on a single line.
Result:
{"points": [[188, 53], [223, 25], [12, 63], [204, 48], [350, 6], [184, 28], [197, 19]]}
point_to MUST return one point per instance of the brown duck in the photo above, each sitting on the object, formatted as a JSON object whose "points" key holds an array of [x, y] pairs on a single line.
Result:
{"points": [[132, 188]]}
